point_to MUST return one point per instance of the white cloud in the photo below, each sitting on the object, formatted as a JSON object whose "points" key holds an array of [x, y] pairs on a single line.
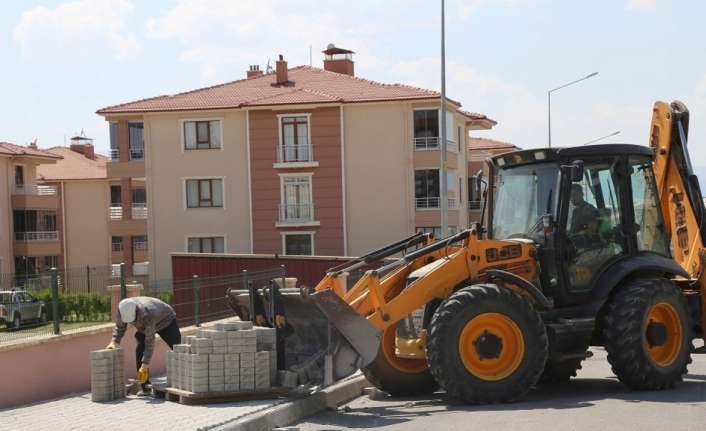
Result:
{"points": [[227, 36], [641, 4], [77, 29]]}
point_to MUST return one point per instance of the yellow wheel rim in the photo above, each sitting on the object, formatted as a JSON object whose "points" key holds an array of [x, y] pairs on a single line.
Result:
{"points": [[491, 346], [404, 365], [665, 353]]}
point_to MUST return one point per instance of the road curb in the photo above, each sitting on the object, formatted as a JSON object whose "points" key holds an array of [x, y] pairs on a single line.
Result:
{"points": [[290, 412]]}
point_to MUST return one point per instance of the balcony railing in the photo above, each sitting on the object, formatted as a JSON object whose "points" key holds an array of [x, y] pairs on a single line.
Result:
{"points": [[114, 155], [296, 213], [433, 202], [137, 153], [294, 153], [139, 245], [140, 268], [48, 235], [116, 246], [34, 190], [432, 143], [475, 205], [139, 210], [116, 212]]}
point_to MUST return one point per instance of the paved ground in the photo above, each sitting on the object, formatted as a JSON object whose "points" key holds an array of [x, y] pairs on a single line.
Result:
{"points": [[595, 401], [131, 413]]}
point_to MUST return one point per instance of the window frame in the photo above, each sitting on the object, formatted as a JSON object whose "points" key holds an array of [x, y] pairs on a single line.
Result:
{"points": [[208, 120], [414, 191], [187, 238], [282, 196], [280, 131], [185, 196], [130, 147], [19, 167], [311, 234]]}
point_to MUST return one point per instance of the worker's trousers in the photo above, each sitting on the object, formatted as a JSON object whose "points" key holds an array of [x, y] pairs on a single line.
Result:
{"points": [[171, 335]]}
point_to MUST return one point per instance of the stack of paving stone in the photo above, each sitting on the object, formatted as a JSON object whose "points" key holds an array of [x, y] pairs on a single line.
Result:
{"points": [[231, 357], [107, 375]]}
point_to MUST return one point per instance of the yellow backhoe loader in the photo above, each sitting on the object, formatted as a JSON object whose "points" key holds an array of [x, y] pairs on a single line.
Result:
{"points": [[598, 245]]}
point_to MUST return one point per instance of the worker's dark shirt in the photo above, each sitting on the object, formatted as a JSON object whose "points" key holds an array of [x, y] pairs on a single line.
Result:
{"points": [[582, 216]]}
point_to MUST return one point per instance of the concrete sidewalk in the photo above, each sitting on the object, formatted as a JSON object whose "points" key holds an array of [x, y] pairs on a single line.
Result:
{"points": [[132, 413]]}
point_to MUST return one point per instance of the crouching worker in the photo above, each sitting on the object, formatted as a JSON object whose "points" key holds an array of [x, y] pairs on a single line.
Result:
{"points": [[149, 316]]}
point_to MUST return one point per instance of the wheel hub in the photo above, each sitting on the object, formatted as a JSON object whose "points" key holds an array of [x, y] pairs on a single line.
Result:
{"points": [[656, 334], [488, 346]]}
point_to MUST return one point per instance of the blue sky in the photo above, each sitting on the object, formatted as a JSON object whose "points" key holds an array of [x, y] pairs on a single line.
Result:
{"points": [[62, 60]]}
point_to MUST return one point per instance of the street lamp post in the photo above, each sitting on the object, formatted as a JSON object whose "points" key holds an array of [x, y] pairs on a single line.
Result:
{"points": [[549, 101], [444, 204], [602, 138]]}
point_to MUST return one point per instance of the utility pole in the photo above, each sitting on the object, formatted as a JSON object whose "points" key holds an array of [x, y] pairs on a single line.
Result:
{"points": [[444, 201], [549, 104]]}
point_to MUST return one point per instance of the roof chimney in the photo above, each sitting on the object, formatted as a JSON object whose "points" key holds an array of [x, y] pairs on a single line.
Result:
{"points": [[254, 71], [338, 60], [281, 69], [33, 144], [83, 145]]}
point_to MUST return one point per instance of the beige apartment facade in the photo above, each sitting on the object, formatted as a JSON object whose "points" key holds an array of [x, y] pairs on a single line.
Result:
{"points": [[299, 161], [29, 216]]}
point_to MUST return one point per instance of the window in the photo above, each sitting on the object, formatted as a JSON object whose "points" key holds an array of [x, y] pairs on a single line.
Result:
{"points": [[136, 142], [475, 196], [295, 145], [51, 262], [204, 193], [426, 129], [299, 244], [116, 198], [19, 176], [296, 199], [426, 188], [116, 243], [139, 242], [214, 244], [202, 135], [139, 196], [651, 235], [114, 145]]}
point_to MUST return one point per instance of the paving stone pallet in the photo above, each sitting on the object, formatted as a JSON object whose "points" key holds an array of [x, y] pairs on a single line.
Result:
{"points": [[190, 398]]}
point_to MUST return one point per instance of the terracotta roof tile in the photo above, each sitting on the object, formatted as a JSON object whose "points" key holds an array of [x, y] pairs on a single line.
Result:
{"points": [[306, 85], [9, 149], [489, 144], [73, 166]]}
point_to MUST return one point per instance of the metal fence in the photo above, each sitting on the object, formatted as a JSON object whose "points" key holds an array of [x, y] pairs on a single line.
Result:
{"points": [[54, 301]]}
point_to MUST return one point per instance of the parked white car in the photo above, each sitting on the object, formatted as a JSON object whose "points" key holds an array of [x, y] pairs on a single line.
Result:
{"points": [[18, 307]]}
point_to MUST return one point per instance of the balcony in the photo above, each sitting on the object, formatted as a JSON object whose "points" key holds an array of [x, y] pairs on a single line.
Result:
{"points": [[433, 203], [296, 215], [115, 212], [35, 196], [132, 168], [37, 243], [475, 205], [49, 235], [138, 269], [137, 154], [295, 156], [430, 143], [114, 155], [139, 210]]}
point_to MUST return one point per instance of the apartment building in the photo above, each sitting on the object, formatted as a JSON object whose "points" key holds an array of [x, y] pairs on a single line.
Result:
{"points": [[29, 216], [80, 177], [479, 151], [301, 160]]}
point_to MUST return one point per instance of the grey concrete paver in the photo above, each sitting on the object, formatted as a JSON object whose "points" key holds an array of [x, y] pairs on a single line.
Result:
{"points": [[596, 400], [131, 413]]}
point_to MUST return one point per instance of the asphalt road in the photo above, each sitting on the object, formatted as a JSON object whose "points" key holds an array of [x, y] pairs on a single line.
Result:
{"points": [[594, 401]]}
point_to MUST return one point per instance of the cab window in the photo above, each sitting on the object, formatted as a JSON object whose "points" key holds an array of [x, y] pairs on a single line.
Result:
{"points": [[651, 235]]}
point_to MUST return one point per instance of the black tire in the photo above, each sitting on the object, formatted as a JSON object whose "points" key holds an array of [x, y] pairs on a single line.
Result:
{"points": [[388, 378], [626, 340], [560, 371], [446, 328]]}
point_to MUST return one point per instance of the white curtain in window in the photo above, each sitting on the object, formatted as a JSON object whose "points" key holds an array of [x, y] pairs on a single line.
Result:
{"points": [[217, 190], [215, 134], [190, 135], [192, 193], [450, 130], [218, 245], [288, 142], [136, 136], [303, 141], [194, 245]]}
